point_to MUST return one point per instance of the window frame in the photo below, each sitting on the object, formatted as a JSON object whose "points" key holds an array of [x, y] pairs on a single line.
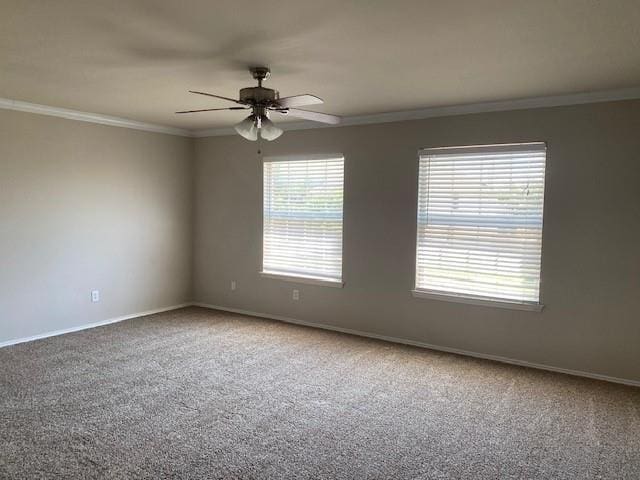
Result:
{"points": [[289, 277], [476, 299]]}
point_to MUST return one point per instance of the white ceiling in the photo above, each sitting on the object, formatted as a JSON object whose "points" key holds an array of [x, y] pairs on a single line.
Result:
{"points": [[137, 59]]}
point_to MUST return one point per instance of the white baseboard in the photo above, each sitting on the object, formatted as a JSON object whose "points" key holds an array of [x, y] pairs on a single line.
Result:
{"points": [[349, 331], [91, 325], [496, 358]]}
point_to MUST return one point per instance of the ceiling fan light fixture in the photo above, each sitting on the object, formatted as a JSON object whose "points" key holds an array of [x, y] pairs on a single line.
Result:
{"points": [[268, 130], [262, 101], [248, 128]]}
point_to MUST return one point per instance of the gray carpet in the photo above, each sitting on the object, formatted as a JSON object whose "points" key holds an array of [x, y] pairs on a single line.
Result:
{"points": [[201, 394]]}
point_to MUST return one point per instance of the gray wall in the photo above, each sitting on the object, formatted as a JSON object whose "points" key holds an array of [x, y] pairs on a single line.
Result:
{"points": [[85, 207], [591, 254]]}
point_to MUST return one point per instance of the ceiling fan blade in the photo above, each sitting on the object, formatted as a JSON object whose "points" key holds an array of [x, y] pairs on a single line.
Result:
{"points": [[315, 116], [213, 109], [298, 100], [218, 96]]}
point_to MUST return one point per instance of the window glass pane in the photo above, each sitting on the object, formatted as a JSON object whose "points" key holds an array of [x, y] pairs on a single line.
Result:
{"points": [[480, 221], [302, 231]]}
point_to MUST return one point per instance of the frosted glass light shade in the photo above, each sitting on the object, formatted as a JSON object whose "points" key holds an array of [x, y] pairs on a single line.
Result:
{"points": [[268, 129], [248, 128]]}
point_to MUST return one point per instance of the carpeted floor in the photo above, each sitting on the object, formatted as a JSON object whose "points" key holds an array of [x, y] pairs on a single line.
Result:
{"points": [[201, 394]]}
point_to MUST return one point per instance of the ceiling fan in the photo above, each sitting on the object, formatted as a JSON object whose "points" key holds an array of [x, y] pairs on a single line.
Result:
{"points": [[262, 102]]}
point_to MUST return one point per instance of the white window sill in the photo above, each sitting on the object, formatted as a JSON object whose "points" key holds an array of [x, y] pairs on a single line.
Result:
{"points": [[484, 302], [301, 279]]}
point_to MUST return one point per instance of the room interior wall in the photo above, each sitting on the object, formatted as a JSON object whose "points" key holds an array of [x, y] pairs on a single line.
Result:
{"points": [[90, 207], [154, 220], [591, 259]]}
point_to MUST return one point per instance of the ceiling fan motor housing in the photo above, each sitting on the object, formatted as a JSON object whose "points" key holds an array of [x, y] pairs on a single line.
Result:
{"points": [[258, 95]]}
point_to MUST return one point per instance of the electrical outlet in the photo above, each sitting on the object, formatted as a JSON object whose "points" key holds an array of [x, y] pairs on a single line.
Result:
{"points": [[95, 296], [233, 284], [296, 294]]}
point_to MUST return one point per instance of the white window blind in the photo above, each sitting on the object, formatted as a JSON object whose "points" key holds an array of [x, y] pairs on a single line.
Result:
{"points": [[480, 222], [302, 231]]}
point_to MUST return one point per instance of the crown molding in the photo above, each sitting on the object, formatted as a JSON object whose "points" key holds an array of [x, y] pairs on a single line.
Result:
{"points": [[432, 112], [8, 104]]}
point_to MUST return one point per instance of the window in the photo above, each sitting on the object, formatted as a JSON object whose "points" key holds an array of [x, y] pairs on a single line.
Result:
{"points": [[302, 228], [480, 224]]}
